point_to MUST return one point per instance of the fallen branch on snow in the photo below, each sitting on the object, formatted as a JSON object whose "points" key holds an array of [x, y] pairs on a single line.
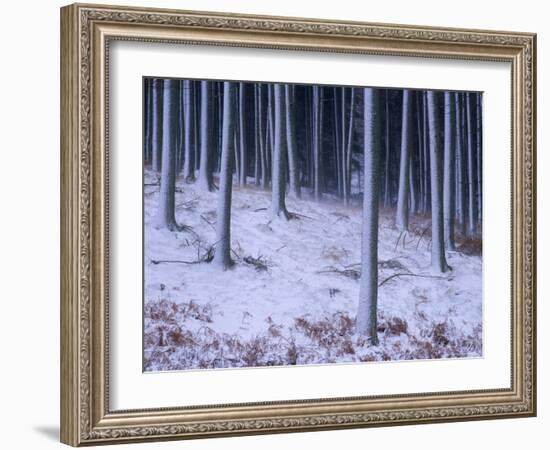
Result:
{"points": [[409, 274]]}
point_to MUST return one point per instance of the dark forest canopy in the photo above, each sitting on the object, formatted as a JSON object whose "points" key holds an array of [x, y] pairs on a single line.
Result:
{"points": [[404, 151], [326, 140]]}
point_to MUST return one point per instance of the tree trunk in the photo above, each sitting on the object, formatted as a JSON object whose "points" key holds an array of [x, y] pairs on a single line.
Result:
{"points": [[402, 213], [180, 141], [148, 119], [426, 156], [461, 163], [257, 138], [222, 254], [278, 180], [366, 323], [348, 141], [413, 205], [263, 140], [166, 206], [189, 139], [439, 263], [317, 142], [387, 196], [293, 167], [205, 180], [242, 133], [472, 210], [449, 170], [157, 124], [479, 150], [419, 112], [337, 139]]}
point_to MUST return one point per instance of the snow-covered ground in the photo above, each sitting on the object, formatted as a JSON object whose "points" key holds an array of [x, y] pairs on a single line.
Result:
{"points": [[292, 294]]}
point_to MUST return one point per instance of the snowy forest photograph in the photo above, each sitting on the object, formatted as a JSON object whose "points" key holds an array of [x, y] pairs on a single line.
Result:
{"points": [[295, 224]]}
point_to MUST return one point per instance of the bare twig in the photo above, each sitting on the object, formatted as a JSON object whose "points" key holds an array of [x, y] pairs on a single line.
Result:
{"points": [[420, 238], [293, 215], [349, 273], [395, 275], [208, 222], [173, 261], [397, 242]]}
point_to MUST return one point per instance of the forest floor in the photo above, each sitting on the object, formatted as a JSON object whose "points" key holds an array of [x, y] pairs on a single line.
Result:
{"points": [[291, 297]]}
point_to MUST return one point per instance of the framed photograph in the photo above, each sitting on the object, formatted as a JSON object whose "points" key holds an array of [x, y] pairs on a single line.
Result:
{"points": [[276, 224]]}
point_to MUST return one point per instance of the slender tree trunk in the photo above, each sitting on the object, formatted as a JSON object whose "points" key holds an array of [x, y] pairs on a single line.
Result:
{"points": [[222, 254], [479, 149], [426, 156], [412, 188], [472, 213], [278, 181], [157, 124], [461, 161], [180, 141], [257, 138], [366, 323], [148, 120], [344, 147], [337, 143], [293, 165], [189, 139], [387, 194], [348, 149], [196, 125], [402, 214], [205, 180], [419, 113], [439, 262], [309, 135], [263, 139], [270, 126], [317, 142], [449, 181], [218, 109], [166, 217], [242, 133], [236, 146]]}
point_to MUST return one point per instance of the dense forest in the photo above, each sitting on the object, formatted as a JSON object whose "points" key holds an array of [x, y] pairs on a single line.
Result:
{"points": [[398, 153]]}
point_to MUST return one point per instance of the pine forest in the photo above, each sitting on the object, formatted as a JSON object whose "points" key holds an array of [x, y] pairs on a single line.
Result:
{"points": [[292, 224]]}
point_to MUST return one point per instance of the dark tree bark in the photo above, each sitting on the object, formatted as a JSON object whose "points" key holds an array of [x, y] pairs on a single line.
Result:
{"points": [[449, 181], [470, 124], [263, 138], [148, 119], [158, 84], [189, 138], [479, 149], [166, 207], [242, 134], [205, 180], [337, 140], [461, 163], [387, 193], [257, 138], [317, 142], [293, 165], [347, 139]]}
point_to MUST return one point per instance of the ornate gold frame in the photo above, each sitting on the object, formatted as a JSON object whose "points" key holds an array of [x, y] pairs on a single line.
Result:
{"points": [[86, 31]]}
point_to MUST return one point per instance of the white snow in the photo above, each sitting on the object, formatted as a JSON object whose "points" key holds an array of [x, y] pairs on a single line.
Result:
{"points": [[297, 309]]}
